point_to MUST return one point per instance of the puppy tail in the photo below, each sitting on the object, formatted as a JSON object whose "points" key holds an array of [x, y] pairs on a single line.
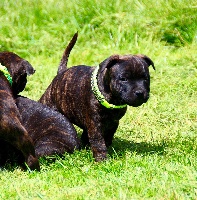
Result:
{"points": [[64, 60]]}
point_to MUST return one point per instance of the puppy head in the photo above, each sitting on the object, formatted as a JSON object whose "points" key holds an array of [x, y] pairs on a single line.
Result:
{"points": [[18, 69], [127, 78]]}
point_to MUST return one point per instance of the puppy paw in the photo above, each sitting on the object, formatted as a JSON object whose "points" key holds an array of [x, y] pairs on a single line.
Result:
{"points": [[100, 157], [33, 163]]}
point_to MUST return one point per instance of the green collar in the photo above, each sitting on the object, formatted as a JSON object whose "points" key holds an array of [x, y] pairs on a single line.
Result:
{"points": [[6, 73], [98, 94]]}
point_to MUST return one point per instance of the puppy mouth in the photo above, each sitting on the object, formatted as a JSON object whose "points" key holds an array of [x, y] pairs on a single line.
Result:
{"points": [[136, 99], [137, 104]]}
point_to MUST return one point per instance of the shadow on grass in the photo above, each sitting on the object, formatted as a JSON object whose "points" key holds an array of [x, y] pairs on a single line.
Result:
{"points": [[121, 146], [13, 158]]}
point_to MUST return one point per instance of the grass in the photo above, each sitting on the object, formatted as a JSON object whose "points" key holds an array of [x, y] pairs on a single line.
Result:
{"points": [[154, 152]]}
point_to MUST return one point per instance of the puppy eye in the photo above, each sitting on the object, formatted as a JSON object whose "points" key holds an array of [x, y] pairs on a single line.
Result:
{"points": [[146, 79], [123, 79]]}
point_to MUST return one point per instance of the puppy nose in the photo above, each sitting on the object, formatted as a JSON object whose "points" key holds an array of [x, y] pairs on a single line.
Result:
{"points": [[139, 94]]}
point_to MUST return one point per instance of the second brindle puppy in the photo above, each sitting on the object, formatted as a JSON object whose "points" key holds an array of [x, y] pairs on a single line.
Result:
{"points": [[50, 131]]}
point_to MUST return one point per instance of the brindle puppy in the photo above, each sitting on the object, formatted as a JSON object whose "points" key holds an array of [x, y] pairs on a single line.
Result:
{"points": [[13, 80], [96, 98], [50, 131]]}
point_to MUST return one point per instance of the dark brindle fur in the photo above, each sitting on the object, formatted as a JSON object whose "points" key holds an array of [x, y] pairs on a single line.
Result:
{"points": [[50, 131], [11, 129], [121, 80]]}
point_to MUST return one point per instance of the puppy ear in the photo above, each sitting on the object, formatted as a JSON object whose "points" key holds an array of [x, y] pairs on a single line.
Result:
{"points": [[24, 68], [14, 63], [27, 67], [18, 69], [147, 60], [109, 62]]}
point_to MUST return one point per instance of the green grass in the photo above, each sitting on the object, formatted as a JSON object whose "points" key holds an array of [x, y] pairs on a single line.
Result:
{"points": [[154, 151]]}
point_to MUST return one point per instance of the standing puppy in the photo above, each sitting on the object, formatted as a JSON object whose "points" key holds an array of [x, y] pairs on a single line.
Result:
{"points": [[96, 98], [13, 73]]}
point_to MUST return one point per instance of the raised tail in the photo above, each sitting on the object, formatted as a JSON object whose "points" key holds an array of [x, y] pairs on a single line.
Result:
{"points": [[64, 60]]}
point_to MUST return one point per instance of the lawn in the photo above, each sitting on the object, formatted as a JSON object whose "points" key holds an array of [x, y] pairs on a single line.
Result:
{"points": [[154, 152]]}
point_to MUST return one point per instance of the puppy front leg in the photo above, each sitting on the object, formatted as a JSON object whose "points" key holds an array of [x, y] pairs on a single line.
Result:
{"points": [[97, 143]]}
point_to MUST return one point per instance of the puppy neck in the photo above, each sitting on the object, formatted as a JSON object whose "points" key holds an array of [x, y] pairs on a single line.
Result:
{"points": [[97, 93], [5, 72]]}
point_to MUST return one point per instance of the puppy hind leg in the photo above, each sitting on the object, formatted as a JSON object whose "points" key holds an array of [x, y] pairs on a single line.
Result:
{"points": [[27, 148], [57, 143]]}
